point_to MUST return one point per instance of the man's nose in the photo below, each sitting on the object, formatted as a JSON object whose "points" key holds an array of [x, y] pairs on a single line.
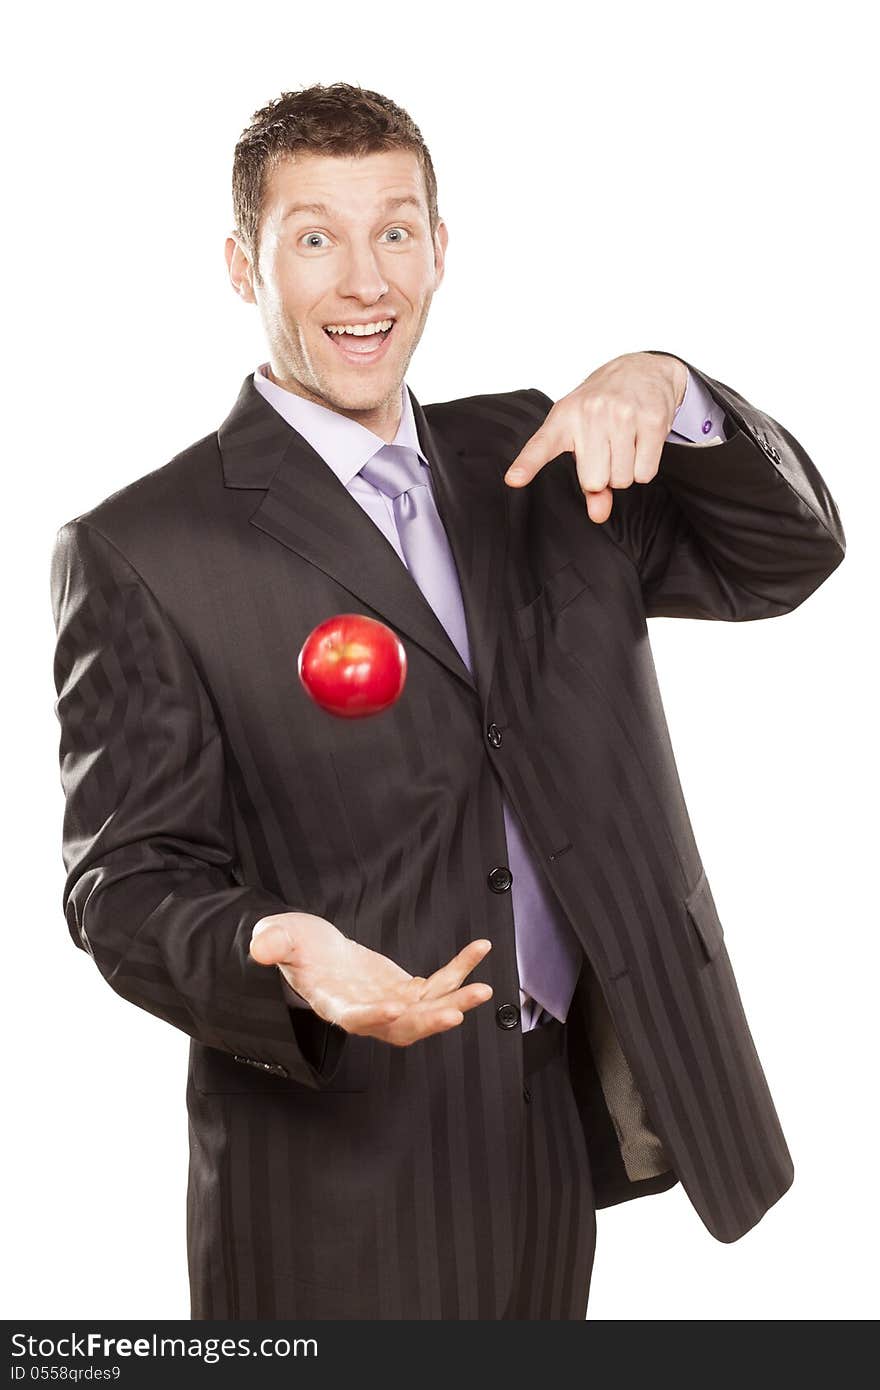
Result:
{"points": [[362, 276]]}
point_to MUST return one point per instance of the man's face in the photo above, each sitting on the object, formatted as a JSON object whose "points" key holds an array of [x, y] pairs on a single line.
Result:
{"points": [[368, 258]]}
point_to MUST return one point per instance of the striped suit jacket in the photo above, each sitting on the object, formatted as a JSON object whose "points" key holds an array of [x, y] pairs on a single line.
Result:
{"points": [[337, 1176]]}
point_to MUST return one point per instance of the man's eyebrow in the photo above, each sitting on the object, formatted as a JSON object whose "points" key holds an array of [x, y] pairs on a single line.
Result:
{"points": [[321, 209]]}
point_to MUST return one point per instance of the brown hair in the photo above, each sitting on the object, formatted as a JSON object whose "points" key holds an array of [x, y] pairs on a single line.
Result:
{"points": [[338, 120]]}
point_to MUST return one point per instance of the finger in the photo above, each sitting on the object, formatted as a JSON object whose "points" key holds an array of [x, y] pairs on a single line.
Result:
{"points": [[368, 1019], [467, 997], [622, 441], [599, 504], [430, 1016], [451, 975], [592, 454], [598, 498], [649, 447], [543, 446], [412, 1026], [272, 942]]}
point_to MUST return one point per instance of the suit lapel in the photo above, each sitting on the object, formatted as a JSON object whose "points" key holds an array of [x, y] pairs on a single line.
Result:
{"points": [[306, 508]]}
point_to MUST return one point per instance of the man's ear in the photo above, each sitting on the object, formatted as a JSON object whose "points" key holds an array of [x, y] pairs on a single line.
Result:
{"points": [[239, 267], [441, 240]]}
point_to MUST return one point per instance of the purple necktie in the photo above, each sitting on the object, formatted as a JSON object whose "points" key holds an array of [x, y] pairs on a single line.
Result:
{"points": [[547, 950]]}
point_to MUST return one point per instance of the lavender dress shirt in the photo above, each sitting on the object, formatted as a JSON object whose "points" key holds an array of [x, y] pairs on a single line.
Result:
{"points": [[345, 446]]}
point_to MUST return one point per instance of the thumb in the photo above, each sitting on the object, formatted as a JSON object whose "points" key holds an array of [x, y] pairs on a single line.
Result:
{"points": [[271, 942]]}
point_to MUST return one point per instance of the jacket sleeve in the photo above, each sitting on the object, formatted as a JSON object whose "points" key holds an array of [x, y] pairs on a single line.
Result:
{"points": [[152, 891], [742, 530]]}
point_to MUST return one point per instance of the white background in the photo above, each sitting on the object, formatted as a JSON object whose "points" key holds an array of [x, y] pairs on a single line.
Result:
{"points": [[626, 177]]}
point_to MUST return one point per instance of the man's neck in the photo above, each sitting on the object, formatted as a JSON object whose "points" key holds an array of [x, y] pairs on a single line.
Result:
{"points": [[383, 420]]}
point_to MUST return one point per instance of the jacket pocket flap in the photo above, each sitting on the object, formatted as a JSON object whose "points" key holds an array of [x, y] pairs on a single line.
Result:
{"points": [[704, 915], [223, 1073]]}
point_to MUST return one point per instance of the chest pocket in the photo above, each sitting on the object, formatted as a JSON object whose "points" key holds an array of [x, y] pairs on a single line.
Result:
{"points": [[557, 592]]}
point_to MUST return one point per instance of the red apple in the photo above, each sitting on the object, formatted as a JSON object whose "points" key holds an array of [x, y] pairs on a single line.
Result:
{"points": [[352, 666]]}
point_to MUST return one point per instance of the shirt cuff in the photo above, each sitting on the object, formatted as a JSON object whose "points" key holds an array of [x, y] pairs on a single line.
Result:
{"points": [[699, 419]]}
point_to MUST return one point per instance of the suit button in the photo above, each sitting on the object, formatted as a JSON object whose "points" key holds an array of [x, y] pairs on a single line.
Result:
{"points": [[527, 1095], [493, 733], [500, 879], [507, 1016]]}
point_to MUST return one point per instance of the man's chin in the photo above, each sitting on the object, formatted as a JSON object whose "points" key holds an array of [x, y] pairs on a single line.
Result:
{"points": [[341, 395]]}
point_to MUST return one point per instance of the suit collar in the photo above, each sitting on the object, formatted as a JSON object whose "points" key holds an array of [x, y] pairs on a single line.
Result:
{"points": [[306, 508], [343, 443]]}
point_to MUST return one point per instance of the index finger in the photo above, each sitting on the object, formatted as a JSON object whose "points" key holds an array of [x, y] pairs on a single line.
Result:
{"points": [[543, 446]]}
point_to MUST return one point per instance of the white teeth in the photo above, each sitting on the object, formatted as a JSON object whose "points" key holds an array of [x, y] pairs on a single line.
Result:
{"points": [[359, 330]]}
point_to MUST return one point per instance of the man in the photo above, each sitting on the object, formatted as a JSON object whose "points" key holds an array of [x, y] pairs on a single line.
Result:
{"points": [[375, 1133]]}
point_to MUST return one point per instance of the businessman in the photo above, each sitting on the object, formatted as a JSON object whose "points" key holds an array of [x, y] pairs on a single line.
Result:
{"points": [[453, 976]]}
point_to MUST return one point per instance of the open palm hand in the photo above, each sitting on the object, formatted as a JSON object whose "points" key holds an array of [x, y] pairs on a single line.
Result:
{"points": [[362, 991]]}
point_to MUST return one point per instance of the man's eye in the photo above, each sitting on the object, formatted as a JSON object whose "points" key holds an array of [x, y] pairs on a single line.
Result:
{"points": [[313, 240]]}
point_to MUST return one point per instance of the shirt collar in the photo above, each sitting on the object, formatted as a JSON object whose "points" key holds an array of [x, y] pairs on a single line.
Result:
{"points": [[343, 444]]}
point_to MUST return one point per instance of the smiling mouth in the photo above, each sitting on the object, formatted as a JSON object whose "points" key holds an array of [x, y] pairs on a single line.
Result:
{"points": [[360, 347]]}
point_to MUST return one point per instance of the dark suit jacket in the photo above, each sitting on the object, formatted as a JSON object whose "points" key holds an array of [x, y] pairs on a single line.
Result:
{"points": [[339, 1176]]}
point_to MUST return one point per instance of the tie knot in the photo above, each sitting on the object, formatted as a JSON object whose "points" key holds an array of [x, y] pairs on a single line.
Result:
{"points": [[393, 469]]}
